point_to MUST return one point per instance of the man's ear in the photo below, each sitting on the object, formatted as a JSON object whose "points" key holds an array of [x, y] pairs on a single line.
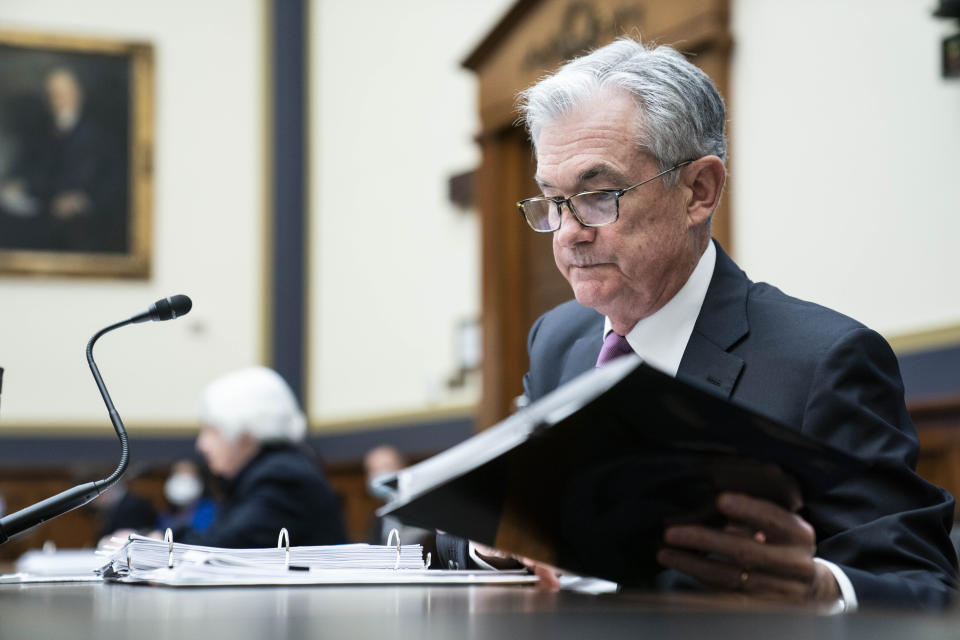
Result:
{"points": [[704, 179]]}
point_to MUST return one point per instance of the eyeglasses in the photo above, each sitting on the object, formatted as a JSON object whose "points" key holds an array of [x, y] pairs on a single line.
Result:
{"points": [[596, 208]]}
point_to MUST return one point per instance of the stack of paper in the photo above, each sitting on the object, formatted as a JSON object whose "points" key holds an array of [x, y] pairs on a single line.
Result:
{"points": [[67, 565], [60, 562], [202, 574], [175, 564], [140, 554]]}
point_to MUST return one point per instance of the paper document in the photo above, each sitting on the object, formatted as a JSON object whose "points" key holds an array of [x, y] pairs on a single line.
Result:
{"points": [[65, 565], [145, 560], [141, 553]]}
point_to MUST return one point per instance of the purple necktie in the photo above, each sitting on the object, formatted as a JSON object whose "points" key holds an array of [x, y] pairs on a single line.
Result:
{"points": [[614, 346]]}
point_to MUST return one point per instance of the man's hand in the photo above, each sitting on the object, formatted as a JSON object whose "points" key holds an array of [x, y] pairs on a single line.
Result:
{"points": [[548, 577], [494, 557], [767, 551]]}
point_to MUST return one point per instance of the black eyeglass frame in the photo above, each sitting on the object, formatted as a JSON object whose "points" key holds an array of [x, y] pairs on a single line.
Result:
{"points": [[560, 201]]}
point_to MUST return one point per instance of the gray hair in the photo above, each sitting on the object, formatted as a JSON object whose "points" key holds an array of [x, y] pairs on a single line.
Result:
{"points": [[680, 112], [256, 401]]}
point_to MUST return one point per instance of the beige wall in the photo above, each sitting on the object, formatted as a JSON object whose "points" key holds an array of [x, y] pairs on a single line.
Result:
{"points": [[845, 172], [394, 265], [208, 217]]}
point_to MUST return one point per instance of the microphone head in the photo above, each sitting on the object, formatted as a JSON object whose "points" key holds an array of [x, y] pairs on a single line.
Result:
{"points": [[170, 308]]}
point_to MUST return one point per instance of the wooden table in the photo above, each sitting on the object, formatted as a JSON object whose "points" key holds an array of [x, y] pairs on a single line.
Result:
{"points": [[96, 610]]}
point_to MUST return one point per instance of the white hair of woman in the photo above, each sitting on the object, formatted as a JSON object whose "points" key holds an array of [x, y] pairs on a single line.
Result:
{"points": [[255, 401]]}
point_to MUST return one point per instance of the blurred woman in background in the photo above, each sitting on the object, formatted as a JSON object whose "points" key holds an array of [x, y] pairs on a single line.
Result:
{"points": [[188, 495], [251, 436]]}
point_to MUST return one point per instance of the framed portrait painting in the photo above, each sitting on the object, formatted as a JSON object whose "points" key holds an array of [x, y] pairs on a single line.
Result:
{"points": [[76, 147]]}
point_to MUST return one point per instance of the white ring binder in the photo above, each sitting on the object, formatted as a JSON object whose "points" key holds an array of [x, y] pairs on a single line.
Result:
{"points": [[394, 532], [198, 566], [168, 538], [280, 545]]}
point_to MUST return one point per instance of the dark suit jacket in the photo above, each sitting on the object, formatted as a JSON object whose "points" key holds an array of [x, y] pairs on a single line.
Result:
{"points": [[280, 487], [825, 375]]}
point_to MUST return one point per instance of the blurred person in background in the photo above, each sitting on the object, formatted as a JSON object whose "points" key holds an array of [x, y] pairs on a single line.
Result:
{"points": [[382, 461], [188, 494], [251, 436], [122, 510]]}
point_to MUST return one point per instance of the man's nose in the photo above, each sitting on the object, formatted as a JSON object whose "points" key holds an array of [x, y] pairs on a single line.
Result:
{"points": [[571, 231]]}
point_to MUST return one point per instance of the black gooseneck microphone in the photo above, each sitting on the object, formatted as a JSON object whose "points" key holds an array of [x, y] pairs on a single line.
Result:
{"points": [[29, 517]]}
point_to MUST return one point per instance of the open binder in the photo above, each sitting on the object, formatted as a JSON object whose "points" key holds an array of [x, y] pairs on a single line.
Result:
{"points": [[588, 477], [146, 560]]}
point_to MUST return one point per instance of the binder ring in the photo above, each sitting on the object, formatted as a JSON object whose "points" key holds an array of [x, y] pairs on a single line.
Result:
{"points": [[394, 532], [168, 538], [129, 554], [280, 545]]}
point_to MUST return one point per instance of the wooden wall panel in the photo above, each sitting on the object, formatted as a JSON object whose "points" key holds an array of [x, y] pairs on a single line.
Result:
{"points": [[349, 482], [938, 427], [79, 528]]}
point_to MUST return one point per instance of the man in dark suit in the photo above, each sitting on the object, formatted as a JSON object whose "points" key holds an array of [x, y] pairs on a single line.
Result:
{"points": [[630, 159]]}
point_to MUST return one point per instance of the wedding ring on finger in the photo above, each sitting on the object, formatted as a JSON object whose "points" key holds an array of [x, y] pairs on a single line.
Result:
{"points": [[744, 576]]}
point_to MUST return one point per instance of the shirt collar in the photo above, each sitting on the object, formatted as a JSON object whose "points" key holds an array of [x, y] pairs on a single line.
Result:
{"points": [[661, 338]]}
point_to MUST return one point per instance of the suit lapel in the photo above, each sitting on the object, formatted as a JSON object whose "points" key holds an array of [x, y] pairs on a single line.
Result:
{"points": [[721, 324], [706, 361], [583, 354]]}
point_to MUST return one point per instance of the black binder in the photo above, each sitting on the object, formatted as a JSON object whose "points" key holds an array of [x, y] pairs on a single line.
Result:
{"points": [[588, 477]]}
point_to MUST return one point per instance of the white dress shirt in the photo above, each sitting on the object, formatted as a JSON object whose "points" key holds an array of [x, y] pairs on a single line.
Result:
{"points": [[660, 339]]}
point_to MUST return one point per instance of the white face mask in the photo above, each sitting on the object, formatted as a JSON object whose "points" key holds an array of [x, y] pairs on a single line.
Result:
{"points": [[182, 488]]}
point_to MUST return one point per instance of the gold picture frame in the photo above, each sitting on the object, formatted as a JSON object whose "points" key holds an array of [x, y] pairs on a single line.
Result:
{"points": [[76, 155]]}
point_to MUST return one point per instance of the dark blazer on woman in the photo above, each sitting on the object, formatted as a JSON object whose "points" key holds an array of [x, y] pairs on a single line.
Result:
{"points": [[280, 487]]}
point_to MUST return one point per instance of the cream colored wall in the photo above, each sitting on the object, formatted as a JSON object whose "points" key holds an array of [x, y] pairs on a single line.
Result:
{"points": [[844, 166], [394, 265], [856, 209], [207, 228]]}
